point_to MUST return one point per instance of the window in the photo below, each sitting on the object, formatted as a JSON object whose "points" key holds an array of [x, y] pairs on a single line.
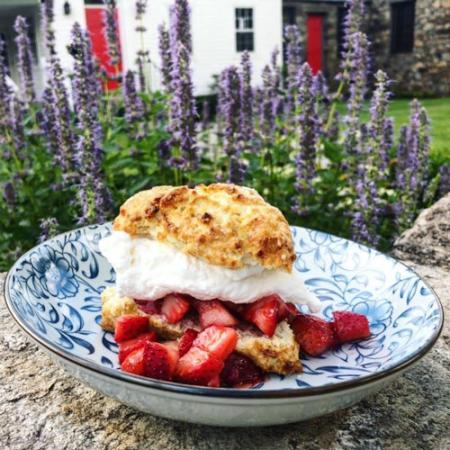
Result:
{"points": [[244, 29], [402, 27]]}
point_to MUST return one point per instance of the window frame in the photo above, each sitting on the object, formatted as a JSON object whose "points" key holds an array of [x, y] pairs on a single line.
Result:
{"points": [[244, 31]]}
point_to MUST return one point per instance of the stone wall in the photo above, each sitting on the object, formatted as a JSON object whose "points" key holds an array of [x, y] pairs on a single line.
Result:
{"points": [[426, 70]]}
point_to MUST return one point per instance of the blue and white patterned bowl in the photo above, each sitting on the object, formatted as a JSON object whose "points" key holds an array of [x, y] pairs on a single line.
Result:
{"points": [[53, 292]]}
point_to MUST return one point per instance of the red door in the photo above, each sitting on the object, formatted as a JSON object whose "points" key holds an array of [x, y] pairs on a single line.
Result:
{"points": [[94, 23], [314, 49]]}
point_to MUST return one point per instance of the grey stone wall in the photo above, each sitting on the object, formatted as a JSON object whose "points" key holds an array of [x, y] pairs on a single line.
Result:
{"points": [[426, 70]]}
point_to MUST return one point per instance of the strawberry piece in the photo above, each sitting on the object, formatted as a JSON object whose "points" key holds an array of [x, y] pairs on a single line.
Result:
{"points": [[185, 342], [127, 347], [174, 307], [159, 360], [173, 354], [240, 371], [129, 327], [217, 340], [134, 362], [315, 335], [213, 312], [350, 326], [148, 306], [198, 367], [287, 311], [215, 381], [264, 314]]}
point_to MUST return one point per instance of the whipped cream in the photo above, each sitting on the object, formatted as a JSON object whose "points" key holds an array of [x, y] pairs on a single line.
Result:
{"points": [[147, 269]]}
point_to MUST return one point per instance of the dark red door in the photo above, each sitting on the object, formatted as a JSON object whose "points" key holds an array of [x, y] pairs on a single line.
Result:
{"points": [[94, 23], [314, 49]]}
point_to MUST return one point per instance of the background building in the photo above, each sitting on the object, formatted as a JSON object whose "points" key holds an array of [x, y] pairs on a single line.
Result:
{"points": [[411, 39], [221, 30]]}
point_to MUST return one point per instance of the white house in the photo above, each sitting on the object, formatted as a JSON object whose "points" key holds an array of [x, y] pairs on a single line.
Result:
{"points": [[221, 30]]}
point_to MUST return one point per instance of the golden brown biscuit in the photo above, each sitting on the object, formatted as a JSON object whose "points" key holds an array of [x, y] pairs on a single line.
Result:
{"points": [[223, 224]]}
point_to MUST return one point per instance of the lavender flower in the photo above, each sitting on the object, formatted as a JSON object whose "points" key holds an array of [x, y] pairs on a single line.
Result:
{"points": [[277, 98], [180, 28], [307, 125], [358, 86], [47, 18], [111, 32], [25, 59], [134, 107], [229, 109], [17, 126], [49, 228], [293, 63], [380, 128], [246, 99], [94, 196], [182, 103], [164, 51], [266, 110], [412, 163], [5, 90]]}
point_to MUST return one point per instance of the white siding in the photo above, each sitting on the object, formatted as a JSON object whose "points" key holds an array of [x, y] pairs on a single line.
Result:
{"points": [[213, 30], [213, 33]]}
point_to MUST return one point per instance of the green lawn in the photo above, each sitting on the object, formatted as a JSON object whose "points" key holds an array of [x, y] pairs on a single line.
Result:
{"points": [[439, 112]]}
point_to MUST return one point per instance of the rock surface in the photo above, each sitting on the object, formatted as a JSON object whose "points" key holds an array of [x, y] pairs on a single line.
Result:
{"points": [[43, 408]]}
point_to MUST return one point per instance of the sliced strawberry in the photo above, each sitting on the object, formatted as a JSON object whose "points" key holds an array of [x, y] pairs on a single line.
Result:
{"points": [[185, 342], [315, 335], [350, 326], [198, 367], [159, 361], [129, 327], [173, 354], [240, 371], [174, 307], [127, 347], [264, 314], [217, 340], [215, 381], [213, 312], [148, 306], [134, 362]]}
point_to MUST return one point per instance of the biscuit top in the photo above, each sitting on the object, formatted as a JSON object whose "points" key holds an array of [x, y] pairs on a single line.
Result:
{"points": [[223, 224]]}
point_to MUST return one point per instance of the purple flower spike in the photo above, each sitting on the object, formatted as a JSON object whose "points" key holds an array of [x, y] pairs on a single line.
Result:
{"points": [[293, 63], [5, 90], [25, 59], [180, 27], [246, 102], [47, 18], [165, 55], [307, 125], [94, 196], [111, 31], [229, 109], [134, 107], [444, 184]]}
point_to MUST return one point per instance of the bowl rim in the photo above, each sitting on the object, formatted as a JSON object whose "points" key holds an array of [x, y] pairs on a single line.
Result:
{"points": [[180, 388]]}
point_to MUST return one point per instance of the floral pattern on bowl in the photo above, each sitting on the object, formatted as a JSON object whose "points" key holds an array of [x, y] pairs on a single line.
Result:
{"points": [[54, 290]]}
